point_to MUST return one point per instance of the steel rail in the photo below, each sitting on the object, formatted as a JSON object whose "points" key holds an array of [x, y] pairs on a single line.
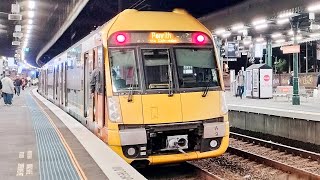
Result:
{"points": [[273, 163], [279, 147], [202, 174]]}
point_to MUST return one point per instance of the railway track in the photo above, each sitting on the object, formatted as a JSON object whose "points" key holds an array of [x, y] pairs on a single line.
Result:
{"points": [[183, 171], [303, 163]]}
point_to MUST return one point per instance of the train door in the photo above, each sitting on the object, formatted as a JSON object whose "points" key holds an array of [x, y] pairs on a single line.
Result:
{"points": [[54, 84], [88, 99], [62, 84], [65, 84], [57, 85], [46, 83], [99, 95]]}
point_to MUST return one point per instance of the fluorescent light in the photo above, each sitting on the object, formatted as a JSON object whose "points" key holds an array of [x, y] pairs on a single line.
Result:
{"points": [[30, 21], [220, 31], [226, 34], [261, 26], [283, 21], [285, 15], [237, 27], [29, 27], [31, 14], [259, 21], [28, 31], [260, 39], [314, 35], [276, 35], [290, 32], [297, 37], [32, 4], [280, 41], [314, 7], [27, 36]]}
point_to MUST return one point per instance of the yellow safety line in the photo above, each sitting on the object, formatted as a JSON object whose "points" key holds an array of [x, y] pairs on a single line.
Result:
{"points": [[65, 144]]}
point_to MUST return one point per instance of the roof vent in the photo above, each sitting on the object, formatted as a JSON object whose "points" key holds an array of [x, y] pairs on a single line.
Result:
{"points": [[15, 17]]}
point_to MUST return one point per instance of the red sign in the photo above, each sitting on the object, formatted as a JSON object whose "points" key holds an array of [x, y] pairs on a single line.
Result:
{"points": [[266, 77]]}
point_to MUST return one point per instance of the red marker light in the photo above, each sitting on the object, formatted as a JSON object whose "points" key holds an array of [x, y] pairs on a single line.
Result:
{"points": [[199, 38], [121, 38]]}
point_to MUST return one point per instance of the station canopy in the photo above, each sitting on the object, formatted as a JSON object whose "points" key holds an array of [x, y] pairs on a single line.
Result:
{"points": [[256, 21]]}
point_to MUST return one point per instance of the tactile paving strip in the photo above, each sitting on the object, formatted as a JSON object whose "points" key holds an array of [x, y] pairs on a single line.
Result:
{"points": [[54, 161]]}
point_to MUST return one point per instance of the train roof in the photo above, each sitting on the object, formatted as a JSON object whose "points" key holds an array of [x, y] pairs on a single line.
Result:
{"points": [[133, 20]]}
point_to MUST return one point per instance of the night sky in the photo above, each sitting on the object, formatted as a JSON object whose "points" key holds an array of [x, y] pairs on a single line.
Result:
{"points": [[97, 12]]}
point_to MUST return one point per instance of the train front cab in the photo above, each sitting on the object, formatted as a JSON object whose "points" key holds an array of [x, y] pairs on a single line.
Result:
{"points": [[167, 102]]}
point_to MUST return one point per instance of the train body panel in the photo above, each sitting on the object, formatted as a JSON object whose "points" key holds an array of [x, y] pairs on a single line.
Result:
{"points": [[148, 84]]}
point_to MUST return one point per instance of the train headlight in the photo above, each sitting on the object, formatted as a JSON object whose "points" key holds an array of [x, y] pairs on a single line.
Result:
{"points": [[223, 103], [131, 151], [114, 110], [213, 143]]}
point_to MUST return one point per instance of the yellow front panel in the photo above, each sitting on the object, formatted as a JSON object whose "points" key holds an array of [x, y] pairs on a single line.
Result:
{"points": [[159, 108], [131, 111], [196, 107]]}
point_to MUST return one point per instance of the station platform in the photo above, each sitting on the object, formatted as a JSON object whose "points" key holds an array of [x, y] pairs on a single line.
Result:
{"points": [[40, 141], [278, 118], [309, 108]]}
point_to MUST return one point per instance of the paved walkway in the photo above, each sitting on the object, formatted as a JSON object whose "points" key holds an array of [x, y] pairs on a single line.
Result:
{"points": [[31, 147], [309, 109], [18, 153]]}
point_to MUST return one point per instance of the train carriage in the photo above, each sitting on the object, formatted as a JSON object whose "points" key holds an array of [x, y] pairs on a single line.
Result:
{"points": [[156, 92]]}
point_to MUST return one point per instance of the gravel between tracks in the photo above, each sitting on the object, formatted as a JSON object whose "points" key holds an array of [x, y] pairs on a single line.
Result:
{"points": [[229, 166], [295, 161]]}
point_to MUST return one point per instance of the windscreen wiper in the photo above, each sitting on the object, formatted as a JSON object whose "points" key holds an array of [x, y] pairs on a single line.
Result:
{"points": [[170, 93], [205, 91], [130, 93]]}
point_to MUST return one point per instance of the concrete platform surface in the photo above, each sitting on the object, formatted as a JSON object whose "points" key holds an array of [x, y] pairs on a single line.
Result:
{"points": [[308, 110], [108, 161], [36, 144]]}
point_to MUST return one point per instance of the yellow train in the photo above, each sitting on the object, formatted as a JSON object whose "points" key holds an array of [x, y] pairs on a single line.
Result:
{"points": [[146, 83]]}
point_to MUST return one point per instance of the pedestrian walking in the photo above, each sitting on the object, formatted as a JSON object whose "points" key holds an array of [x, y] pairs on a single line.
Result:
{"points": [[17, 85], [240, 83], [7, 89]]}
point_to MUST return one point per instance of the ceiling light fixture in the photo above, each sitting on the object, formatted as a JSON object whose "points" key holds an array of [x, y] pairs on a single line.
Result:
{"points": [[259, 21], [31, 14], [32, 4]]}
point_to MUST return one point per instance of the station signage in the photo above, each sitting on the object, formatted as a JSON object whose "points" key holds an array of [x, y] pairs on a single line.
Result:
{"points": [[290, 49]]}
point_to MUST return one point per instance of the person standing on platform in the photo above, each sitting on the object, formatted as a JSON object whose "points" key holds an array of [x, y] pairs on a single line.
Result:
{"points": [[290, 81], [318, 82], [17, 85], [7, 89], [240, 83]]}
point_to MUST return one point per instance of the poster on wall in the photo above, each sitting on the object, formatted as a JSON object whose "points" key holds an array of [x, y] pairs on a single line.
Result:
{"points": [[255, 83], [265, 83]]}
